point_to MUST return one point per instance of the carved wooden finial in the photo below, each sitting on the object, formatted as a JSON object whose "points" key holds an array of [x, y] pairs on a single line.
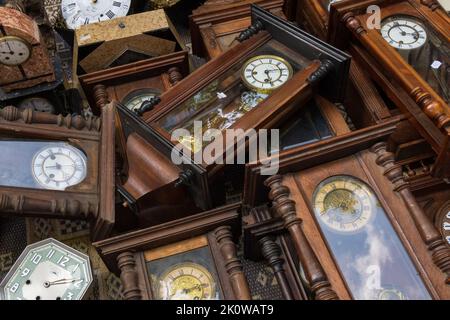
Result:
{"points": [[432, 4], [256, 27], [129, 276], [432, 108], [233, 265], [353, 23], [100, 96], [432, 238], [285, 208], [326, 66], [175, 75]]}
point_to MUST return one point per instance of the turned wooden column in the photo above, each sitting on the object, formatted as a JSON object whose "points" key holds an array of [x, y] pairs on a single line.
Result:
{"points": [[100, 96], [272, 253], [285, 209], [233, 265], [440, 252], [129, 276]]}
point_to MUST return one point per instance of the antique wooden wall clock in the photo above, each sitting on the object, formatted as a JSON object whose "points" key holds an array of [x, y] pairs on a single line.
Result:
{"points": [[316, 197], [407, 56], [215, 24], [235, 91], [134, 83], [58, 166], [194, 258]]}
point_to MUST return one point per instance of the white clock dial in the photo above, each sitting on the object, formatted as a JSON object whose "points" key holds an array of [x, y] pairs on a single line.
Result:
{"points": [[37, 104], [266, 73], [14, 51], [48, 270], [404, 33], [80, 12], [59, 167], [135, 100]]}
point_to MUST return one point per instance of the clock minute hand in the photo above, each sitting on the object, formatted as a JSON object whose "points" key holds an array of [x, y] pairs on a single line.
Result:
{"points": [[60, 281]]}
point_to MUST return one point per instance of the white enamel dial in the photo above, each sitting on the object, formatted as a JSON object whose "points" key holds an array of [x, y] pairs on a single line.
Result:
{"points": [[404, 33], [48, 270], [266, 73], [136, 99], [59, 167], [37, 104], [14, 51], [80, 12]]}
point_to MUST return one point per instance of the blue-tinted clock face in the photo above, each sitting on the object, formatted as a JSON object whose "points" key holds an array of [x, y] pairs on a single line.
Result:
{"points": [[48, 270]]}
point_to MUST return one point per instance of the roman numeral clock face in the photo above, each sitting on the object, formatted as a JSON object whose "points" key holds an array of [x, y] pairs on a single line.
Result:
{"points": [[404, 33], [80, 12], [59, 167], [266, 73]]}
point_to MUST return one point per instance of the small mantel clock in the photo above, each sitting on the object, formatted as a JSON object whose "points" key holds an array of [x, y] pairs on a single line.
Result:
{"points": [[194, 258], [24, 59], [408, 54], [48, 270], [255, 84], [58, 166]]}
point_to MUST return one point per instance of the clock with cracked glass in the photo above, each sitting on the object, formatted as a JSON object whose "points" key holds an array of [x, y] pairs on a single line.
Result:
{"points": [[48, 270], [80, 12]]}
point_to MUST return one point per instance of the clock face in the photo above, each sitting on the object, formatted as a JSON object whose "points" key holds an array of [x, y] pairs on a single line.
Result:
{"points": [[444, 222], [265, 73], [343, 204], [186, 281], [37, 104], [14, 51], [59, 167], [80, 12], [404, 33], [135, 99], [391, 294], [48, 270]]}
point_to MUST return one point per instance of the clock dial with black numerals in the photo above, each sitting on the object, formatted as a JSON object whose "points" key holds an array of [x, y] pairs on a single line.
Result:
{"points": [[404, 33], [59, 167], [80, 12], [14, 51]]}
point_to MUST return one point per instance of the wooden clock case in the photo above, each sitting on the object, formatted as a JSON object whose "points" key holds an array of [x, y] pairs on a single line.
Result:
{"points": [[412, 95], [115, 84], [215, 24], [286, 232], [125, 254], [282, 102], [93, 198]]}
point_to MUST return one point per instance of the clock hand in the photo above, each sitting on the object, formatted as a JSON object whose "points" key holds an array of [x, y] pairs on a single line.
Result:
{"points": [[60, 281], [196, 287]]}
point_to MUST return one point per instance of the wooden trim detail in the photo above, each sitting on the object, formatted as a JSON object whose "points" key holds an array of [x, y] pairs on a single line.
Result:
{"points": [[284, 208], [440, 252], [129, 276]]}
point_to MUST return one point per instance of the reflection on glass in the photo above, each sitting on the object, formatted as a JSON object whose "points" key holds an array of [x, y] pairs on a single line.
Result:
{"points": [[367, 249], [41, 164], [240, 89], [188, 275], [423, 48]]}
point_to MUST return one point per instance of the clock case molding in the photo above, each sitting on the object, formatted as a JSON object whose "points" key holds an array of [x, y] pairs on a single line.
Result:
{"points": [[92, 199], [328, 78], [217, 19], [124, 254], [278, 223], [427, 111]]}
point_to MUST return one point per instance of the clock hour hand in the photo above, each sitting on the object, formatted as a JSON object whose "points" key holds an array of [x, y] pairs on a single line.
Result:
{"points": [[196, 287]]}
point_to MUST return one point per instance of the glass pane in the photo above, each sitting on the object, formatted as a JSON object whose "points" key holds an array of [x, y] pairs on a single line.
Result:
{"points": [[423, 48], [41, 164], [366, 247], [190, 275], [240, 89]]}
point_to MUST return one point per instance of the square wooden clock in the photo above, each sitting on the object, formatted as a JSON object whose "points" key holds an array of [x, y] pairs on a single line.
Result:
{"points": [[58, 166], [193, 258]]}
